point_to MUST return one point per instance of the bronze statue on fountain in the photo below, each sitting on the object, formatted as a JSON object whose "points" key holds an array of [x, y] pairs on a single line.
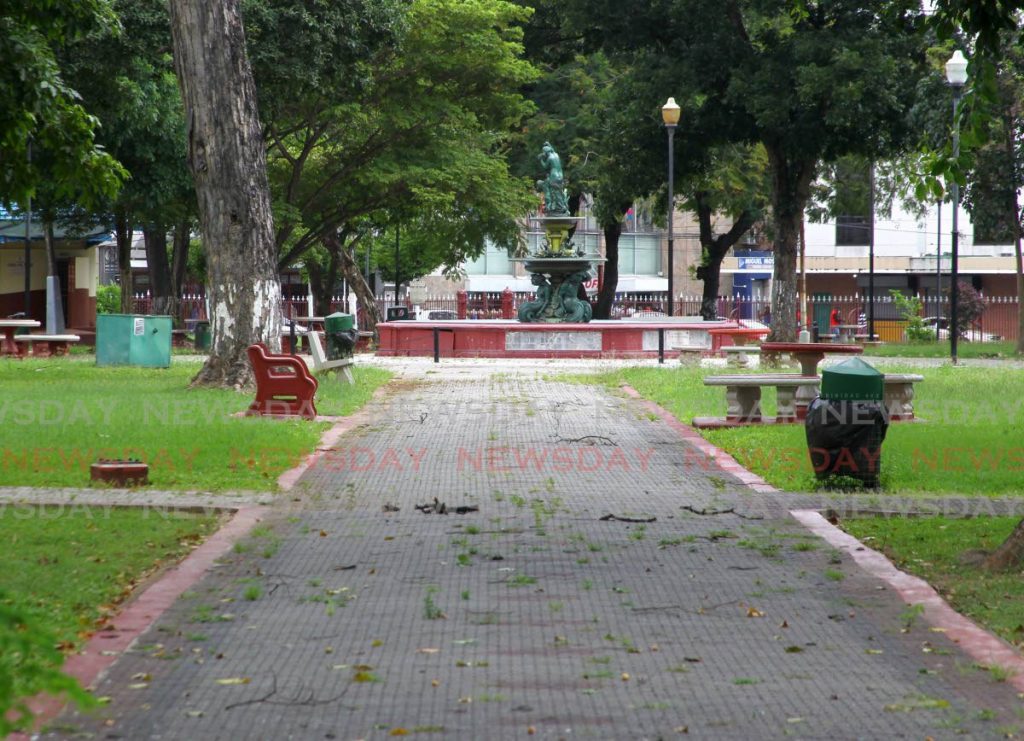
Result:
{"points": [[559, 268]]}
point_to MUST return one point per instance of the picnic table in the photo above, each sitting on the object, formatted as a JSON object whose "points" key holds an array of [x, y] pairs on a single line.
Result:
{"points": [[847, 333], [809, 355], [740, 336], [7, 344]]}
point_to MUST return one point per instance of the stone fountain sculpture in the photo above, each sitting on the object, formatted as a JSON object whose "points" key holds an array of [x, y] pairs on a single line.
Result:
{"points": [[559, 268]]}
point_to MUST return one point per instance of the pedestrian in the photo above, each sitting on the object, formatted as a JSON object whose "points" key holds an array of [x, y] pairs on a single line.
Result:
{"points": [[834, 320]]}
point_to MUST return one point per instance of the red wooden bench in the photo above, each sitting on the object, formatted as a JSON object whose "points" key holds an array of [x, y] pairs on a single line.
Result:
{"points": [[284, 386]]}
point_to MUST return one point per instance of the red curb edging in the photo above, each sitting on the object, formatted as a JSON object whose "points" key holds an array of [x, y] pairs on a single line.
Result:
{"points": [[105, 647], [982, 646], [716, 455], [287, 480]]}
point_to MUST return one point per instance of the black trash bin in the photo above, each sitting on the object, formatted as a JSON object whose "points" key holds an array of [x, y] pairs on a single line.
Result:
{"points": [[846, 425]]}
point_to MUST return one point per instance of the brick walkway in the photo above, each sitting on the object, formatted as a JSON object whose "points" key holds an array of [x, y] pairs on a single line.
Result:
{"points": [[343, 618]]}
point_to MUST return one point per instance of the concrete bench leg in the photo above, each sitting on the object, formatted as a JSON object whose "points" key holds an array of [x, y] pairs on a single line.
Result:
{"points": [[899, 400], [785, 398], [738, 359], [346, 372], [744, 403]]}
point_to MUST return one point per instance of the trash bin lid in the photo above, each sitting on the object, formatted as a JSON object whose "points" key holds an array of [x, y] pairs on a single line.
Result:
{"points": [[852, 380], [338, 322]]}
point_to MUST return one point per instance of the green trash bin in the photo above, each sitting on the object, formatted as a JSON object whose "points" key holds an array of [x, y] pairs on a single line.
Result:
{"points": [[130, 339], [202, 335], [846, 425], [341, 335]]}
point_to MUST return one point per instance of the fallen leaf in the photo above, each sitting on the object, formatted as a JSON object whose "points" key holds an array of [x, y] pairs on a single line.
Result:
{"points": [[377, 642], [435, 682], [323, 533], [753, 612], [530, 730], [234, 680], [465, 700], [873, 651], [783, 624], [427, 650], [625, 676], [794, 649], [398, 732], [138, 686], [142, 677], [194, 713]]}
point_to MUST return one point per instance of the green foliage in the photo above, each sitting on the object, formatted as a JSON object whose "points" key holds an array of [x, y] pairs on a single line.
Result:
{"points": [[39, 108], [29, 664], [412, 130], [909, 309], [108, 299]]}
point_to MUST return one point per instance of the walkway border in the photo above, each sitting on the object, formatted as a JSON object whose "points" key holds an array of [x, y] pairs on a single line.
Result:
{"points": [[721, 459], [981, 645], [287, 480], [106, 646]]}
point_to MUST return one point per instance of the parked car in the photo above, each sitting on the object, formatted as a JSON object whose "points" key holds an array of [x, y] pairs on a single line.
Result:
{"points": [[436, 315], [971, 335]]}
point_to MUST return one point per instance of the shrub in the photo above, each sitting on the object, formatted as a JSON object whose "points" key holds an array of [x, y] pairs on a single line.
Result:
{"points": [[969, 307], [108, 299], [29, 664], [909, 308]]}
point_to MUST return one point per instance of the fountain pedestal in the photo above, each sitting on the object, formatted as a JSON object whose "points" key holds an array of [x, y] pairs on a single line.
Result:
{"points": [[558, 271]]}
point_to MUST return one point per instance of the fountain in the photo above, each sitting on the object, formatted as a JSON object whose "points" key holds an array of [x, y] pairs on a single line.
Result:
{"points": [[559, 268]]}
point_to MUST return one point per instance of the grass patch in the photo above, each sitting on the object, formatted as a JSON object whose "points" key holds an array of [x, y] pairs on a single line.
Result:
{"points": [[969, 444], [941, 350], [930, 547], [77, 413], [69, 568]]}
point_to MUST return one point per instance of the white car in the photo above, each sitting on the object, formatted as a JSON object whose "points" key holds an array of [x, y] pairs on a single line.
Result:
{"points": [[436, 315], [971, 335]]}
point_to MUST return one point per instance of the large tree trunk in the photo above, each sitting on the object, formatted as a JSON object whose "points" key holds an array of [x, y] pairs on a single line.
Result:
{"points": [[790, 190], [123, 237], [1010, 554], [227, 159], [365, 297], [610, 282]]}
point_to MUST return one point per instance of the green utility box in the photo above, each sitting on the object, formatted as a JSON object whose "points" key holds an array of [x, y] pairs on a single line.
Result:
{"points": [[852, 380], [130, 339]]}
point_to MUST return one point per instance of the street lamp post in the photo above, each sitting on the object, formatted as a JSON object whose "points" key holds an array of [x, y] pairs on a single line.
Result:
{"points": [[670, 115], [956, 76]]}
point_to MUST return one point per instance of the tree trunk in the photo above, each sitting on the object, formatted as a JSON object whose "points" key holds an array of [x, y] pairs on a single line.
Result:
{"points": [[714, 248], [179, 266], [356, 282], [54, 303], [610, 283], [790, 190], [1010, 554], [123, 237], [159, 266], [227, 159], [322, 281]]}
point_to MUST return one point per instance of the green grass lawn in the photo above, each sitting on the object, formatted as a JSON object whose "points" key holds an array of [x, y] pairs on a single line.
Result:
{"points": [[972, 442], [68, 568], [930, 547], [58, 416], [941, 350]]}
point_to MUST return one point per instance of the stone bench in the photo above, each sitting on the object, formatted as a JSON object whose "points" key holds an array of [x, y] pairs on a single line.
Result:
{"points": [[738, 355], [899, 394], [45, 345], [690, 354], [320, 361], [743, 395]]}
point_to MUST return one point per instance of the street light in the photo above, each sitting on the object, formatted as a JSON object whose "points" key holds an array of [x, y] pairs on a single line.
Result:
{"points": [[956, 76], [670, 115]]}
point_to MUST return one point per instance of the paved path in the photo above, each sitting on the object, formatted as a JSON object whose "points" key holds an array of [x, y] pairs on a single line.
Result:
{"points": [[537, 614]]}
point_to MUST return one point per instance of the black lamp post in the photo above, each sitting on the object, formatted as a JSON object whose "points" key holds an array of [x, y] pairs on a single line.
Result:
{"points": [[956, 76], [670, 115]]}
